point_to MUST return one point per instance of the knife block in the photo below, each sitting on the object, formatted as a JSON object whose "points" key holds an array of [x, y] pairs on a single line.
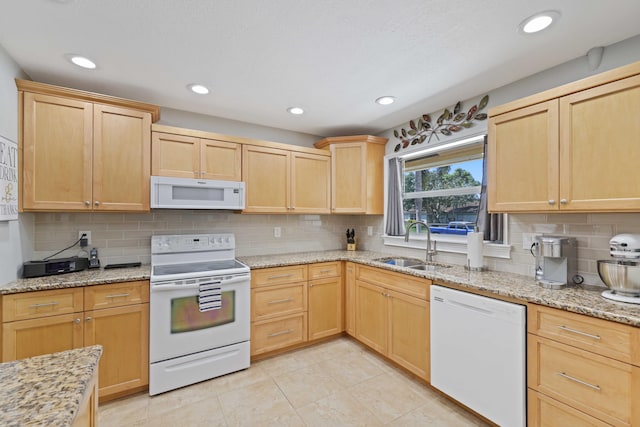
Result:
{"points": [[351, 246]]}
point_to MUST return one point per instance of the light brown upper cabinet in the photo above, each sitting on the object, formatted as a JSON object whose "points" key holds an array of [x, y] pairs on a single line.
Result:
{"points": [[186, 153], [574, 148], [357, 173], [82, 151], [279, 180]]}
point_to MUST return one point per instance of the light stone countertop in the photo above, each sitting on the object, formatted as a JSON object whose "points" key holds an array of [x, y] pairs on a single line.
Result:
{"points": [[46, 390], [98, 276], [584, 300]]}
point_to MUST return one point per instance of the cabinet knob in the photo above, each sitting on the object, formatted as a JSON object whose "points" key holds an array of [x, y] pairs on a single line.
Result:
{"points": [[563, 201], [76, 321], [87, 203], [552, 202], [88, 319], [96, 203]]}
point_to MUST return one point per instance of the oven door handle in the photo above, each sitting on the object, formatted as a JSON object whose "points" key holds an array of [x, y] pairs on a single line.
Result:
{"points": [[170, 287]]}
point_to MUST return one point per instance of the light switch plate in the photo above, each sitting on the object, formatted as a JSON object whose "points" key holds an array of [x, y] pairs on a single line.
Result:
{"points": [[277, 231]]}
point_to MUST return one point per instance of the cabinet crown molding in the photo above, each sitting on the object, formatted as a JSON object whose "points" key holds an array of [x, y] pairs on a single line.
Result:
{"points": [[47, 89], [323, 143]]}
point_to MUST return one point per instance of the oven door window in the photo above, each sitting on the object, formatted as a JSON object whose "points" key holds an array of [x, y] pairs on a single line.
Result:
{"points": [[186, 315]]}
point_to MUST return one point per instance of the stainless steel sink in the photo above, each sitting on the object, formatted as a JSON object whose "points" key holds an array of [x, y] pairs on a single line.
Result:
{"points": [[401, 262], [428, 267]]}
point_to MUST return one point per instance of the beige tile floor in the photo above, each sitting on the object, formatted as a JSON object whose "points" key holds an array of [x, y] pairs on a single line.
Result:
{"points": [[337, 383]]}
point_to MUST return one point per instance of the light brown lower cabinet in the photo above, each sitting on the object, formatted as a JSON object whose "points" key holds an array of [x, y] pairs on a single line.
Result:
{"points": [[288, 310], [115, 316], [391, 322], [581, 370], [545, 411], [350, 298]]}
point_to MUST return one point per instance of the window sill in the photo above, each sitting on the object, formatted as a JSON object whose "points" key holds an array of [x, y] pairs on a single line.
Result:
{"points": [[453, 244]]}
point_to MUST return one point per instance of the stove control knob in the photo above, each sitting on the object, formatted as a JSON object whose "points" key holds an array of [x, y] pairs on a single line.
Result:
{"points": [[228, 240]]}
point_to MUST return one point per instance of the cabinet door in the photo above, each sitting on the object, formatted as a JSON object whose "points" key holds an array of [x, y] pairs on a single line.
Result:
{"points": [[265, 172], [28, 338], [325, 307], [123, 333], [371, 316], [310, 183], [220, 160], [121, 159], [544, 411], [175, 155], [522, 159], [349, 178], [350, 299], [56, 153], [409, 333], [600, 150]]}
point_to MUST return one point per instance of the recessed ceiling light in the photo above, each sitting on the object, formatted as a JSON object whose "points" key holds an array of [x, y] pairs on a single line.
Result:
{"points": [[295, 110], [539, 22], [199, 89], [81, 61], [386, 100]]}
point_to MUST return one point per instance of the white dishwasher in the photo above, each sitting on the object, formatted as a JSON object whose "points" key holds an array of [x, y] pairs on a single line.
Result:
{"points": [[478, 354]]}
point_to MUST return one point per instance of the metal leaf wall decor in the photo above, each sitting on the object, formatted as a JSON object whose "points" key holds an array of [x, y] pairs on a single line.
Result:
{"points": [[450, 121]]}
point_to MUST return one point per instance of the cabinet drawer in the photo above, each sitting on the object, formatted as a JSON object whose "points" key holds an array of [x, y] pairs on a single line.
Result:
{"points": [[604, 388], [32, 305], [268, 335], [545, 411], [615, 340], [404, 283], [325, 269], [278, 275], [271, 301], [116, 294]]}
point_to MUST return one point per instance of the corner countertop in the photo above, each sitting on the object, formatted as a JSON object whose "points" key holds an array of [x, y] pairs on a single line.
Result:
{"points": [[584, 300], [46, 390]]}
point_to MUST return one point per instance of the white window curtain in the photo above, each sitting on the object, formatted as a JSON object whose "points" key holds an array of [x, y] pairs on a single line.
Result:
{"points": [[395, 218]]}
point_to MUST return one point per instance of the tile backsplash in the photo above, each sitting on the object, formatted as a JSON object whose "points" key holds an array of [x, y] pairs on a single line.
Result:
{"points": [[126, 237], [123, 237]]}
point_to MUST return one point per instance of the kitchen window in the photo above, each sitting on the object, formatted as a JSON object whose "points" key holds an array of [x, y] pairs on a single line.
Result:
{"points": [[443, 189], [442, 186]]}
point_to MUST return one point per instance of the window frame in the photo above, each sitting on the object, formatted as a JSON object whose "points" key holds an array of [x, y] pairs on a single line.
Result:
{"points": [[446, 243]]}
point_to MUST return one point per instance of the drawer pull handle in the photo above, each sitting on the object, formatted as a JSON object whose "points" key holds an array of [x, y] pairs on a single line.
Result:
{"points": [[575, 331], [569, 377], [275, 334], [325, 271], [280, 301], [118, 295], [279, 276], [45, 304]]}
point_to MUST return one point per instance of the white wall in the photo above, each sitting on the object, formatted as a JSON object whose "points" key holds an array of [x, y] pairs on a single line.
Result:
{"points": [[16, 237]]}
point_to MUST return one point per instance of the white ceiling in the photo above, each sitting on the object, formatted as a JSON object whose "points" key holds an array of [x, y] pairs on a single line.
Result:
{"points": [[331, 57]]}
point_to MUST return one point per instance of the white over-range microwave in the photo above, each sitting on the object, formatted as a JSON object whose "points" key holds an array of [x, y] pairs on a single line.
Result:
{"points": [[186, 193]]}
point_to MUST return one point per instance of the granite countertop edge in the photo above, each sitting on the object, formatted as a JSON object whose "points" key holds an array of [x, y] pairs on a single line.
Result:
{"points": [[583, 300], [46, 390]]}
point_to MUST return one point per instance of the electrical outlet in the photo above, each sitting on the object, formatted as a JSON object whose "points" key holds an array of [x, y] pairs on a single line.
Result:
{"points": [[88, 236], [369, 231], [528, 239], [277, 231]]}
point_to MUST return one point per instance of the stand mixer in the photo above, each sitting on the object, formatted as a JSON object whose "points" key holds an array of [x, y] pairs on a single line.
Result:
{"points": [[621, 273]]}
